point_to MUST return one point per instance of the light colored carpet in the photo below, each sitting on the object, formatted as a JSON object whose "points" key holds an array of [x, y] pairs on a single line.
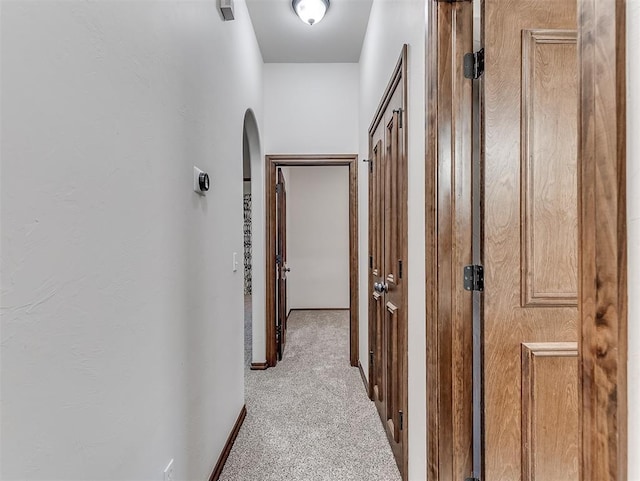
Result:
{"points": [[309, 418]]}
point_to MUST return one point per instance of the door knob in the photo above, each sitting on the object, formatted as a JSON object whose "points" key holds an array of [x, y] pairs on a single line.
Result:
{"points": [[287, 269], [381, 287]]}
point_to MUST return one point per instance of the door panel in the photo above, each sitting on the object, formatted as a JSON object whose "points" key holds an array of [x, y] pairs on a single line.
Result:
{"points": [[530, 241], [550, 449], [387, 243], [377, 266], [281, 265], [549, 169]]}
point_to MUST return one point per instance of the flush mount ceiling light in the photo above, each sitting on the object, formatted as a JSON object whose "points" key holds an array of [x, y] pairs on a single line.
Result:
{"points": [[310, 11]]}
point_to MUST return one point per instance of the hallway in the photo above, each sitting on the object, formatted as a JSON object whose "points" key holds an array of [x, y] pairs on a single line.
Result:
{"points": [[309, 418]]}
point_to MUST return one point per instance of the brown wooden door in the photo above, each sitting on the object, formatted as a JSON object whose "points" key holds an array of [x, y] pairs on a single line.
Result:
{"points": [[530, 250], [387, 273], [281, 264]]}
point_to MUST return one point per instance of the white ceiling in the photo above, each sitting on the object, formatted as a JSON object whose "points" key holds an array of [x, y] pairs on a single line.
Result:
{"points": [[284, 38]]}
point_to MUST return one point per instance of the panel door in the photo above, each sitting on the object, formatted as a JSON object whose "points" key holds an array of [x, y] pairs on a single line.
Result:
{"points": [[387, 243], [394, 314], [281, 264], [530, 241], [376, 265]]}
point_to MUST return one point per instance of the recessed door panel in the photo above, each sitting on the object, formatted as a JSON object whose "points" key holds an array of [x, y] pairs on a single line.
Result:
{"points": [[530, 242]]}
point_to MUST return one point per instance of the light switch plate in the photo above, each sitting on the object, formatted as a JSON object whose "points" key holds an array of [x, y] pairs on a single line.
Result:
{"points": [[168, 472]]}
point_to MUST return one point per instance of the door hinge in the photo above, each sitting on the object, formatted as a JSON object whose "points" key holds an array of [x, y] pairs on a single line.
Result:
{"points": [[278, 259], [371, 358], [401, 420], [399, 112], [474, 278], [370, 262], [370, 162], [278, 188], [399, 269], [474, 64]]}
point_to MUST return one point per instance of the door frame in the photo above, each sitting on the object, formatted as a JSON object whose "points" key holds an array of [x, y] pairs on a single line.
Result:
{"points": [[333, 160], [602, 226], [602, 296], [449, 308]]}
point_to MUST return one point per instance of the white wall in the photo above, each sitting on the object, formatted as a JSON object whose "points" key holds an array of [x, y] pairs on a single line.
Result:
{"points": [[633, 200], [122, 329], [318, 237], [311, 108], [391, 25]]}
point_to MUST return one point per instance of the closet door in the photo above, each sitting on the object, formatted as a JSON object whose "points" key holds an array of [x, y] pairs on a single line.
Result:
{"points": [[387, 262]]}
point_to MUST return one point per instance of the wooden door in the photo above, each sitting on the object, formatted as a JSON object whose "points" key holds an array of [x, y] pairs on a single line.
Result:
{"points": [[376, 267], [387, 273], [530, 250], [281, 264]]}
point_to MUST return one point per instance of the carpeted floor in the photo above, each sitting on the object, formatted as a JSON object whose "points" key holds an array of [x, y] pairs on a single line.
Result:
{"points": [[309, 418]]}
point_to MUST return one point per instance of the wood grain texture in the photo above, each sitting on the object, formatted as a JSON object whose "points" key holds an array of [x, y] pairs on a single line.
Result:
{"points": [[549, 169], [449, 242], [507, 324], [431, 240], [354, 256], [376, 268], [602, 321], [603, 275], [222, 459], [550, 412], [272, 162]]}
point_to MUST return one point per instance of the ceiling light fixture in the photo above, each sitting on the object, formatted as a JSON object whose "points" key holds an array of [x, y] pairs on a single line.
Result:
{"points": [[310, 11]]}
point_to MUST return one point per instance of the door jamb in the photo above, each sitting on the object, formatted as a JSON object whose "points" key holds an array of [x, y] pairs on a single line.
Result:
{"points": [[602, 232], [272, 163], [449, 308], [602, 228]]}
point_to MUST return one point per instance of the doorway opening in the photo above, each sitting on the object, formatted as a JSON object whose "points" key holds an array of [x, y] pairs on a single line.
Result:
{"points": [[246, 231], [251, 229], [277, 305]]}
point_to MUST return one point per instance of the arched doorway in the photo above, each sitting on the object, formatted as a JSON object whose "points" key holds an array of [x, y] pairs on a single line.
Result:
{"points": [[253, 226]]}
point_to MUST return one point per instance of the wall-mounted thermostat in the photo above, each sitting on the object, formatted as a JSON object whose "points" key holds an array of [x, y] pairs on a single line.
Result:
{"points": [[200, 181], [226, 7]]}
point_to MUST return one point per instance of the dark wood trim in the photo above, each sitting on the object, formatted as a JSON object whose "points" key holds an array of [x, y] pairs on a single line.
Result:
{"points": [[399, 75], [272, 163], [364, 379], [449, 308], [602, 224], [217, 471], [431, 238], [259, 366]]}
